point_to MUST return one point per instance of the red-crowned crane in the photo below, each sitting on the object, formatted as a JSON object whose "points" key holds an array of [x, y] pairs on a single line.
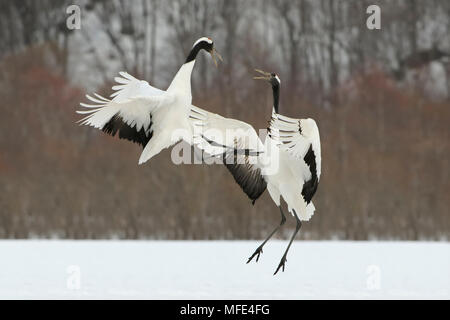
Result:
{"points": [[154, 118], [288, 164]]}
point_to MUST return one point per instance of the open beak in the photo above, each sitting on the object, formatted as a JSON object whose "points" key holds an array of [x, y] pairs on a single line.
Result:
{"points": [[215, 54], [266, 75]]}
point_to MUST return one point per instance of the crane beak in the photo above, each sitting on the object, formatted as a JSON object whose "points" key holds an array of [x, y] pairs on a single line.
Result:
{"points": [[266, 75], [215, 54]]}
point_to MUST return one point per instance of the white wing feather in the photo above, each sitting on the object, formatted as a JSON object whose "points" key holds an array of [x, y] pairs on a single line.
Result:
{"points": [[133, 101], [295, 136], [216, 135], [229, 133]]}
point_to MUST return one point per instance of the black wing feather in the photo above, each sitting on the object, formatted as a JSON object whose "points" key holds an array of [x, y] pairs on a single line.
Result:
{"points": [[116, 124], [310, 186], [247, 177]]}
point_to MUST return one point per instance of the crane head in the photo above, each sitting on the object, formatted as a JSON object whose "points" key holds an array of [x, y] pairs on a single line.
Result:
{"points": [[271, 77], [207, 44], [204, 43]]}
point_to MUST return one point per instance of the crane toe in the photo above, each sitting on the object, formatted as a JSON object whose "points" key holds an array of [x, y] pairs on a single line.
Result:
{"points": [[257, 253], [281, 265]]}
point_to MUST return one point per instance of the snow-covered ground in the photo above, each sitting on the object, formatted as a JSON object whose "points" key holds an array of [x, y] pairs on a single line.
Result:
{"points": [[217, 270]]}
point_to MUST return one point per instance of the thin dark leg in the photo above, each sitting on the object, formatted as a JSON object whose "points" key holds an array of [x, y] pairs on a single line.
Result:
{"points": [[297, 227], [259, 250]]}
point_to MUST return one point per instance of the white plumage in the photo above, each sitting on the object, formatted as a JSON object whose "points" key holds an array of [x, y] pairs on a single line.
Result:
{"points": [[225, 132], [154, 118], [133, 102], [295, 166], [280, 159], [288, 164]]}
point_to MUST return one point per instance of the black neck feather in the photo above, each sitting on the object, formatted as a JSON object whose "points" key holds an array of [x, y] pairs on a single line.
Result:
{"points": [[196, 49], [276, 95], [193, 54]]}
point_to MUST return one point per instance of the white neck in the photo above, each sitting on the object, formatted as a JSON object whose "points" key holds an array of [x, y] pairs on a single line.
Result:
{"points": [[181, 83]]}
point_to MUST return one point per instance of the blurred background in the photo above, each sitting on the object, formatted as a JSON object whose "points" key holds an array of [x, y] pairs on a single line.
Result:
{"points": [[381, 99]]}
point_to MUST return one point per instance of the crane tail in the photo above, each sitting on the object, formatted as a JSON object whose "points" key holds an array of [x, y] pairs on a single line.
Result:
{"points": [[306, 214], [304, 210]]}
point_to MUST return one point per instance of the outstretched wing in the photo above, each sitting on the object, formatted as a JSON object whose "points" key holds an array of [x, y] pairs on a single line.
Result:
{"points": [[300, 139], [239, 144], [129, 113]]}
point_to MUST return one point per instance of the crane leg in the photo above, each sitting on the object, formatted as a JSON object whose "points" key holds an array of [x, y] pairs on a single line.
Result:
{"points": [[259, 250], [297, 228]]}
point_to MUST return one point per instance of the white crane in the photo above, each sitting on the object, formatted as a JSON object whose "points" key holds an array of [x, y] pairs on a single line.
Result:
{"points": [[154, 118], [292, 148]]}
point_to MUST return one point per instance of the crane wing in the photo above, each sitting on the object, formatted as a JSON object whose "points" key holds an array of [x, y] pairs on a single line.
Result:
{"points": [[129, 113], [239, 144], [300, 139], [296, 136]]}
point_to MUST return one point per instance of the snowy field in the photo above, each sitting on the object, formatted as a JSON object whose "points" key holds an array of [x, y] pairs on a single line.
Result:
{"points": [[217, 270]]}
